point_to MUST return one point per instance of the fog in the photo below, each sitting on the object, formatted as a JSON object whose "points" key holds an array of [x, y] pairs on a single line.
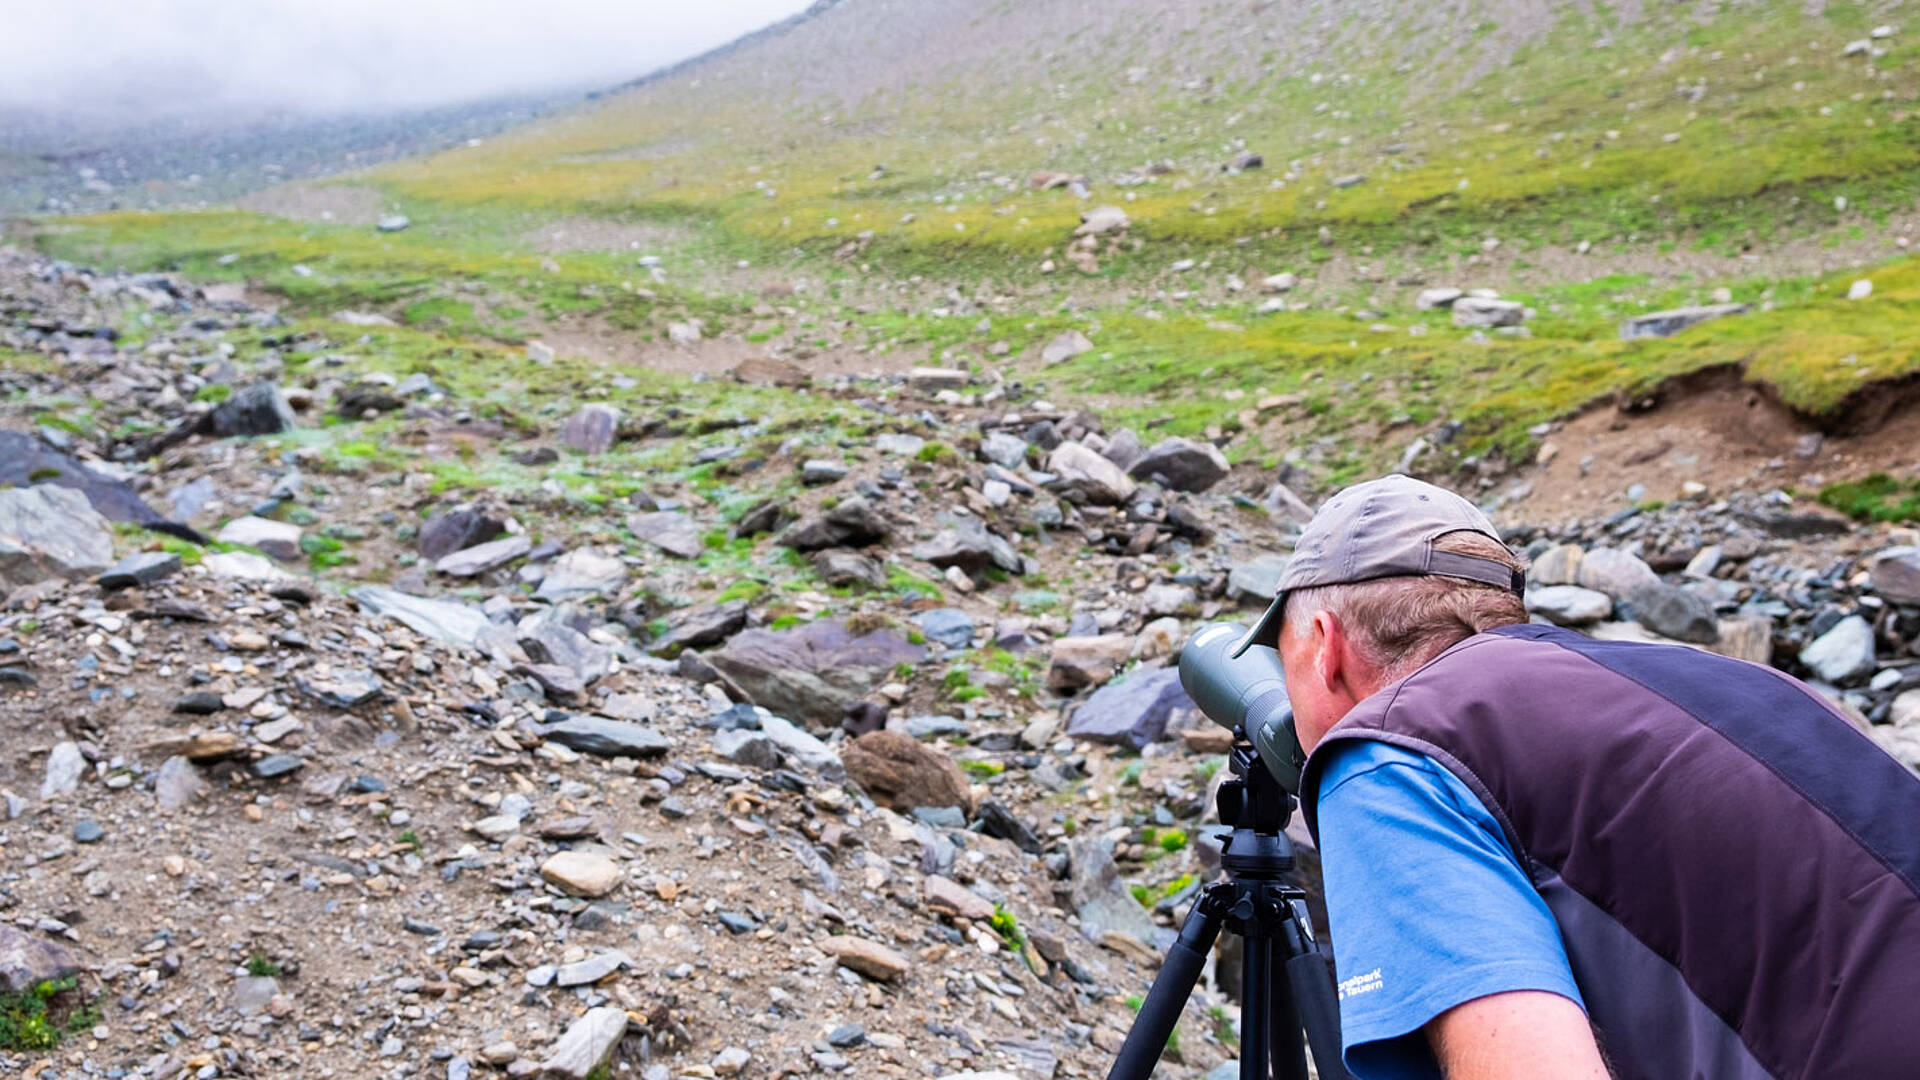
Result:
{"points": [[126, 61]]}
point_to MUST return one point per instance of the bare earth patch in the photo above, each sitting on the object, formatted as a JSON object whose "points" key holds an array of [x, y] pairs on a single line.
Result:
{"points": [[711, 356]]}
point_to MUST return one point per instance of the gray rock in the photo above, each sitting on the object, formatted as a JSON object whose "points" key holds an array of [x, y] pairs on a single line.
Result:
{"points": [[1843, 654], [274, 766], [439, 620], [1443, 297], [841, 569], [140, 568], [967, 544], [1181, 464], [392, 223], [27, 960], [1896, 576], [1004, 449], [748, 748], [177, 783], [1614, 572], [815, 472], [65, 766], [1669, 323], [49, 531], [932, 380], [1124, 448], [813, 672], [548, 640], [592, 969], [1100, 898], [1079, 471], [484, 558], [1677, 613], [1258, 579], [899, 443], [669, 530], [1480, 312], [260, 409], [1558, 565], [1167, 598], [1569, 605], [279, 539], [1132, 712], [591, 430], [700, 627], [252, 993], [580, 573], [1070, 343], [587, 1044], [1287, 507], [346, 688], [601, 737], [801, 748], [852, 522], [947, 626]]}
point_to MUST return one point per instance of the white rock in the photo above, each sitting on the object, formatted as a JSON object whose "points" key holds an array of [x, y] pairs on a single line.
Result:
{"points": [[1860, 290], [1843, 653]]}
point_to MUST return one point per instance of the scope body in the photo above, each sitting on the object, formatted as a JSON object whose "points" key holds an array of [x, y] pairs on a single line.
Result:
{"points": [[1244, 691]]}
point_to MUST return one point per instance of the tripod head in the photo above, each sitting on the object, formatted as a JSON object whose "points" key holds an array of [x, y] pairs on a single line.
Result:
{"points": [[1257, 806]]}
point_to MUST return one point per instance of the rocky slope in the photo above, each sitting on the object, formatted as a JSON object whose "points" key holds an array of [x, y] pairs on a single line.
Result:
{"points": [[451, 711]]}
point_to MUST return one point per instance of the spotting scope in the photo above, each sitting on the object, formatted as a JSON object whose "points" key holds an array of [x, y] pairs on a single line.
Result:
{"points": [[1246, 694]]}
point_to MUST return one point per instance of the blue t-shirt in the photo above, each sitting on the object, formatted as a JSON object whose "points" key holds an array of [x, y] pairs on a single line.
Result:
{"points": [[1429, 905]]}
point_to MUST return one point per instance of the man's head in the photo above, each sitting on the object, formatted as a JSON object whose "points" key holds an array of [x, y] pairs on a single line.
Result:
{"points": [[1387, 575]]}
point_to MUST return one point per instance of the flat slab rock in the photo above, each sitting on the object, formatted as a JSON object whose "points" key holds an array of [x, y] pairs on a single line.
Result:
{"points": [[49, 531], [606, 738], [869, 958], [669, 530], [813, 672]]}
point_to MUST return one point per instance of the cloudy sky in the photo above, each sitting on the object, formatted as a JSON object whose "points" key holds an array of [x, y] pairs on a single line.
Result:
{"points": [[141, 57]]}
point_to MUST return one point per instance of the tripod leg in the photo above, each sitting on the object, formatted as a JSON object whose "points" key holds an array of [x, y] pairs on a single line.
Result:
{"points": [[1256, 992], [1313, 996], [1288, 1048], [1168, 996]]}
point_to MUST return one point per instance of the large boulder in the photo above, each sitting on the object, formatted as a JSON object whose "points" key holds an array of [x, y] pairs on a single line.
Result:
{"points": [[813, 672], [1132, 712], [902, 772], [591, 430], [25, 461], [1569, 605], [1181, 464], [850, 523], [602, 737], [1083, 473], [49, 531], [1677, 613], [1099, 898], [1614, 572]]}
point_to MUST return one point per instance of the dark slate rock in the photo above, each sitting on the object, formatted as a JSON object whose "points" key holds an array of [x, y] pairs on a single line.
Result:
{"points": [[26, 461], [843, 569], [763, 518], [1677, 613], [1181, 464], [997, 820], [737, 923], [199, 703], [1132, 712], [606, 738], [968, 545], [260, 409], [278, 765], [851, 523], [700, 627], [140, 568], [457, 530]]}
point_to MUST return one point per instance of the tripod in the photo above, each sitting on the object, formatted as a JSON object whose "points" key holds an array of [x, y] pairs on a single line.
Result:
{"points": [[1258, 903]]}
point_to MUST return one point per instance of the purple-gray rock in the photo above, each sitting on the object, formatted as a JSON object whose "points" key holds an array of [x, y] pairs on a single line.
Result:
{"points": [[591, 430], [260, 409], [50, 531], [840, 568], [483, 558], [812, 673], [457, 530], [1677, 613], [968, 545], [27, 960], [1132, 712], [140, 568], [700, 627]]}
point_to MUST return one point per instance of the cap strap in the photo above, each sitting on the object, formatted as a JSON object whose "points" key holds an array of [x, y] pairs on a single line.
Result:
{"points": [[1476, 568]]}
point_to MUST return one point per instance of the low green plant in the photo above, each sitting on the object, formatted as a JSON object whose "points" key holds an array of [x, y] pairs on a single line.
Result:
{"points": [[1877, 497], [410, 838], [982, 769], [39, 1017], [260, 967]]}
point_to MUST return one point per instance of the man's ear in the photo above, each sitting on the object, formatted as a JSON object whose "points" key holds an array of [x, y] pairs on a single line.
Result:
{"points": [[1329, 651]]}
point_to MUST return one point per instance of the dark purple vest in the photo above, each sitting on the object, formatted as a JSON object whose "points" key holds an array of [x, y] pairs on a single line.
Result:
{"points": [[1734, 866]]}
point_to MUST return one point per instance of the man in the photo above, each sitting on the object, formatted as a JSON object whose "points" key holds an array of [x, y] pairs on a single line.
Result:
{"points": [[1551, 856]]}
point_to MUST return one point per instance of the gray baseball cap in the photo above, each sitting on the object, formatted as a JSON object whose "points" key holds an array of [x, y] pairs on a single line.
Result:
{"points": [[1384, 528]]}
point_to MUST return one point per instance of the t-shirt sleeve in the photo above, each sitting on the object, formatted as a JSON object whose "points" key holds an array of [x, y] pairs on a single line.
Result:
{"points": [[1428, 904]]}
